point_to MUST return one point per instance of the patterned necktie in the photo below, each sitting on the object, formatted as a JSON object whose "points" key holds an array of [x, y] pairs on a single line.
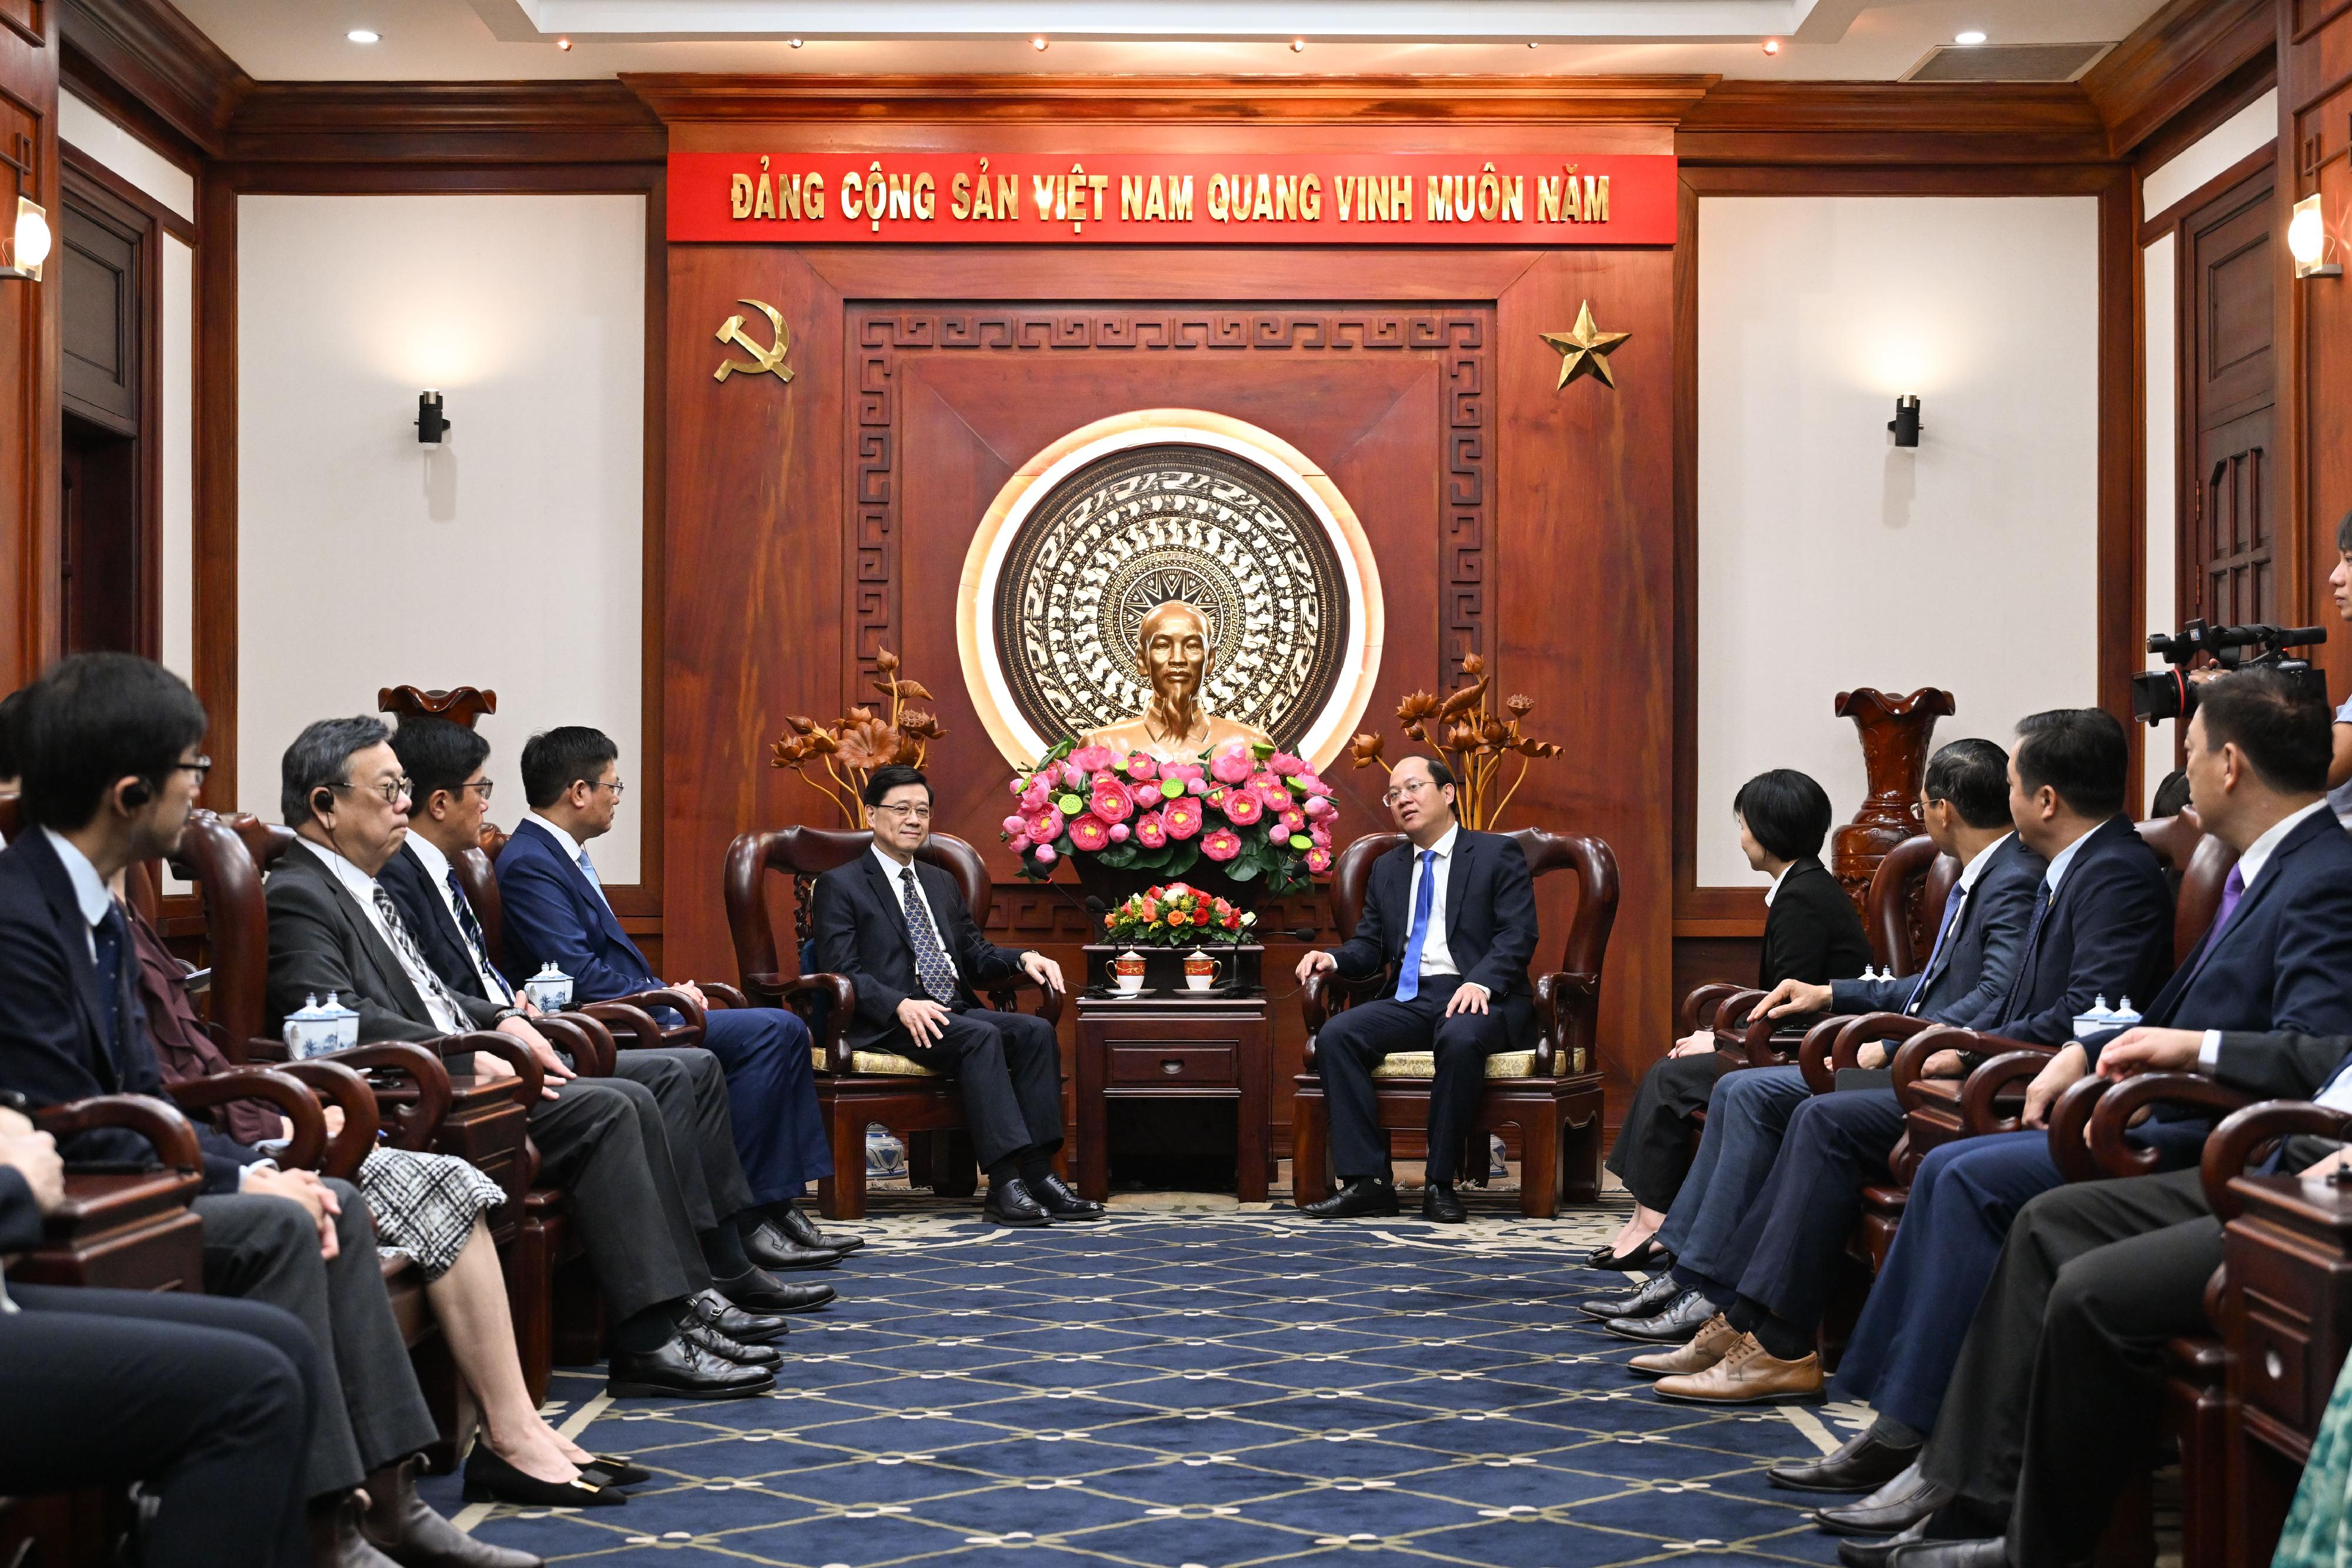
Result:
{"points": [[2019, 982], [1943, 937], [1409, 976], [107, 939], [447, 1014], [939, 975], [472, 930]]}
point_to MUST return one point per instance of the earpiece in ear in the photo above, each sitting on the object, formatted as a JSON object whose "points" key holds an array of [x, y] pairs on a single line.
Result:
{"points": [[137, 795], [322, 800]]}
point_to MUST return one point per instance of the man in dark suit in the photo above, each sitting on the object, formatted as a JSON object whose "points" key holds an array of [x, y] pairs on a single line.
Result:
{"points": [[2057, 1397], [2278, 956], [2102, 925], [901, 933], [207, 1402], [449, 793], [334, 927], [555, 911], [1964, 807], [1454, 912], [107, 744]]}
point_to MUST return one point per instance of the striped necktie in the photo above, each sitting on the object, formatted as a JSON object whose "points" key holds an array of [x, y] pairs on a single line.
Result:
{"points": [[472, 930]]}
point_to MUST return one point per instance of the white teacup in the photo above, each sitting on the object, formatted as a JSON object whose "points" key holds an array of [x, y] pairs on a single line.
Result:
{"points": [[1201, 971], [1127, 974]]}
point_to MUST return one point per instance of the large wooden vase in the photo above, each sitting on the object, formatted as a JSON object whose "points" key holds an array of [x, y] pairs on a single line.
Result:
{"points": [[1895, 735]]}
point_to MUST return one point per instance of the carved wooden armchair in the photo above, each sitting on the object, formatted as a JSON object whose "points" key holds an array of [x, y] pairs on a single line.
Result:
{"points": [[1552, 1092], [855, 1087]]}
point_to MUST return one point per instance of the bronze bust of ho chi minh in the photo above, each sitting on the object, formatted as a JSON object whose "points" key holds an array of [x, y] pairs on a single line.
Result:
{"points": [[1175, 653]]}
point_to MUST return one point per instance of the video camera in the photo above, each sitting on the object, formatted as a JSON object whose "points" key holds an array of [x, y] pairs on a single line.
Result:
{"points": [[2160, 695]]}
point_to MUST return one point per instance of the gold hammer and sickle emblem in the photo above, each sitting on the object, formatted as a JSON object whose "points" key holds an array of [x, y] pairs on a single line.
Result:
{"points": [[763, 361]]}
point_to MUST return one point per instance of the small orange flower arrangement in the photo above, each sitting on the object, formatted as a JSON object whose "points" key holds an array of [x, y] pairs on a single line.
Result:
{"points": [[1174, 915]]}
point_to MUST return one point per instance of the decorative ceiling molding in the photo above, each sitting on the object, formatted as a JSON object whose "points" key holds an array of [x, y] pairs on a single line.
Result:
{"points": [[444, 122], [1892, 122], [144, 60], [1194, 100], [2174, 58]]}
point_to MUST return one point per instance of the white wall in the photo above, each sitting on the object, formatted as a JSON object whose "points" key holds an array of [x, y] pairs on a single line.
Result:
{"points": [[1830, 559], [511, 556], [2240, 136]]}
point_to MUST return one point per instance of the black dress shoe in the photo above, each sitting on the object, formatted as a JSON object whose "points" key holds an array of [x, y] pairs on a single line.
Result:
{"points": [[614, 1470], [695, 1332], [1673, 1324], [788, 1219], [757, 1291], [1359, 1198], [1874, 1554], [1651, 1298], [397, 1523], [772, 1249], [1649, 1254], [1907, 1499], [1010, 1202], [490, 1479], [683, 1370], [1992, 1552], [742, 1327], [1864, 1464], [1061, 1205], [1439, 1203]]}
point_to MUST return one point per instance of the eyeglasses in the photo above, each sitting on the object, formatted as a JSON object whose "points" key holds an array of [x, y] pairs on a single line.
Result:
{"points": [[479, 786], [1411, 787], [593, 784], [391, 790], [202, 768], [911, 814]]}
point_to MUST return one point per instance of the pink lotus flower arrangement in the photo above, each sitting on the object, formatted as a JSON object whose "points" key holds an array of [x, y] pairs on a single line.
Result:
{"points": [[1252, 811]]}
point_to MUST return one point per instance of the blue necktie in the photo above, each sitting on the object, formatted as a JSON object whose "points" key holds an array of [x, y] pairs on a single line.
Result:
{"points": [[471, 929], [588, 870], [2018, 982], [107, 934], [1943, 936], [1409, 977]]}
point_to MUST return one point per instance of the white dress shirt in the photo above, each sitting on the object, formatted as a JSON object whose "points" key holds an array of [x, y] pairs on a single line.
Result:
{"points": [[1773, 892], [1436, 955], [362, 889], [437, 872], [2250, 861], [89, 888], [890, 873], [2060, 862]]}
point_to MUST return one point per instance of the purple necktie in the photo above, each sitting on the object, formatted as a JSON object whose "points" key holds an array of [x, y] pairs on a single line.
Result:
{"points": [[2232, 891]]}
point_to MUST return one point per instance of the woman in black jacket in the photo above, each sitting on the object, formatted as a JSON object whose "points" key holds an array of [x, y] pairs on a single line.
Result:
{"points": [[1810, 933]]}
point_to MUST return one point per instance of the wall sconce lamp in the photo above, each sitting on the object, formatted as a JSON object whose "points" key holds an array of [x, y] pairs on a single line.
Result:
{"points": [[28, 242], [431, 423], [1905, 423], [2306, 241]]}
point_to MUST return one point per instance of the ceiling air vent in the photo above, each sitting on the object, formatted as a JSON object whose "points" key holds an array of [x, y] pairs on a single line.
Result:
{"points": [[2006, 62]]}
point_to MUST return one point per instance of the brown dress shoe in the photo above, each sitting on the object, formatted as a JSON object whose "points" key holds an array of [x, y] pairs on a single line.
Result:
{"points": [[1747, 1375], [398, 1524], [1710, 1345]]}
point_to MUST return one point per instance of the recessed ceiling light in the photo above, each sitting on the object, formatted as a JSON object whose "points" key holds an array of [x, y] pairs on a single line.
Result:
{"points": [[1297, 45], [1970, 37], [364, 35], [796, 43], [563, 44], [1039, 43], [1771, 45], [1532, 43]]}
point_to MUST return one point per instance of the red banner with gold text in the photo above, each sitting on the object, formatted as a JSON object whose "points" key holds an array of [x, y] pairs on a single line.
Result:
{"points": [[1176, 199]]}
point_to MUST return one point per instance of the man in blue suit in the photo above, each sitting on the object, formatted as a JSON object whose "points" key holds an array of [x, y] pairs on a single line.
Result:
{"points": [[2278, 957], [2102, 925], [1452, 916], [1964, 806], [556, 913]]}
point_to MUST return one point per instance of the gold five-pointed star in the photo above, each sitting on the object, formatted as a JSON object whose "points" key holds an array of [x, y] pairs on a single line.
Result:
{"points": [[1584, 347]]}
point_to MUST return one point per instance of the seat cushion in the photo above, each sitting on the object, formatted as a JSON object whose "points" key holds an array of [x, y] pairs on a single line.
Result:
{"points": [[880, 1063], [1423, 1064]]}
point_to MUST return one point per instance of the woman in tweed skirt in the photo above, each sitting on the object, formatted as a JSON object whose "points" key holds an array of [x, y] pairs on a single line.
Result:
{"points": [[427, 1209]]}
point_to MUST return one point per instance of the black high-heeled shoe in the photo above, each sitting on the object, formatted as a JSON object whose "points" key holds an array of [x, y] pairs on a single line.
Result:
{"points": [[613, 1470], [1647, 1254], [490, 1479]]}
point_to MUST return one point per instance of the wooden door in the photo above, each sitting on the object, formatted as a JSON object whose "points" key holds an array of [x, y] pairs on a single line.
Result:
{"points": [[2228, 543]]}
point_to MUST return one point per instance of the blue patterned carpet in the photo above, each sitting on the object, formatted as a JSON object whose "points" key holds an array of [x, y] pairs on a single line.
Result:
{"points": [[1167, 1390]]}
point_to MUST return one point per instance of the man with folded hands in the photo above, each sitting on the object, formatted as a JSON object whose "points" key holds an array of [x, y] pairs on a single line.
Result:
{"points": [[334, 927]]}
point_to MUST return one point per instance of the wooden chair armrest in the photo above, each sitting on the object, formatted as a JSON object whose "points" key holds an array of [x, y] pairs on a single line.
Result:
{"points": [[644, 1030], [826, 1002], [339, 1085], [2110, 1115], [1328, 991], [720, 992], [1698, 1008], [2070, 1127], [157, 1120], [1565, 1008], [2243, 1134], [1728, 1019], [1766, 1042], [1814, 1053], [415, 1123], [677, 1001], [1910, 1064], [1892, 1027], [528, 1079], [1980, 1089], [588, 1040], [293, 1100], [1002, 994]]}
